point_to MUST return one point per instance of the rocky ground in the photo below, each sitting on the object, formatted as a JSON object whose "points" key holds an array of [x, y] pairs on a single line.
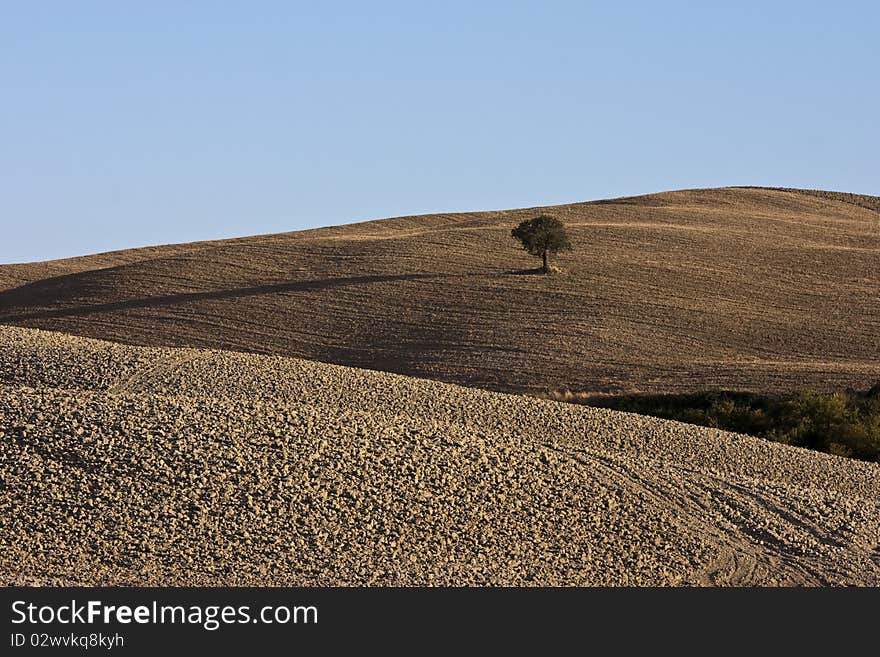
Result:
{"points": [[161, 466]]}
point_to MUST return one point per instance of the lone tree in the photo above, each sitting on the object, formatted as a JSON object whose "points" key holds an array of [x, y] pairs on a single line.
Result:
{"points": [[541, 236]]}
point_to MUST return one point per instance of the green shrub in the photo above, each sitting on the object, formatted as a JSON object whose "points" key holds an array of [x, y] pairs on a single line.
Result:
{"points": [[842, 423]]}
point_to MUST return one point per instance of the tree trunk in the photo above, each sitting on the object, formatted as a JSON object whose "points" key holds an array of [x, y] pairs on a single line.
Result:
{"points": [[545, 270]]}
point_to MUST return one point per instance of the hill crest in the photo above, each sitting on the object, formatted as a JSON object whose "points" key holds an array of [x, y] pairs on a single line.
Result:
{"points": [[741, 288]]}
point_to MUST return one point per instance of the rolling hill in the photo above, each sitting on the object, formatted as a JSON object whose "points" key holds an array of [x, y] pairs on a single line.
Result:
{"points": [[737, 288], [127, 465]]}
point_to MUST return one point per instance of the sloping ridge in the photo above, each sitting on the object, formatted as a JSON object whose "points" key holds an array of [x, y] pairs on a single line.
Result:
{"points": [[861, 200], [156, 466], [752, 289]]}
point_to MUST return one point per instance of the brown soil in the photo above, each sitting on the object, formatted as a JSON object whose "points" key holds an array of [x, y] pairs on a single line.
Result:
{"points": [[136, 465], [750, 289]]}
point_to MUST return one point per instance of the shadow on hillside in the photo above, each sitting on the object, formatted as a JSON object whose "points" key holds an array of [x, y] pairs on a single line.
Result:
{"points": [[31, 294], [537, 271]]}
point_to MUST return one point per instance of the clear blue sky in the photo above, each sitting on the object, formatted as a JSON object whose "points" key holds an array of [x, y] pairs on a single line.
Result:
{"points": [[126, 124]]}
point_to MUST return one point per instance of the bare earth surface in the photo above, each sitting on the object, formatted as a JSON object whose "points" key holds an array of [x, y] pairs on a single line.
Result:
{"points": [[136, 465], [749, 289]]}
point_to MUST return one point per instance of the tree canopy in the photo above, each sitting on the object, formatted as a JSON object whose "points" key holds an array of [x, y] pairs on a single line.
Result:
{"points": [[541, 236]]}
